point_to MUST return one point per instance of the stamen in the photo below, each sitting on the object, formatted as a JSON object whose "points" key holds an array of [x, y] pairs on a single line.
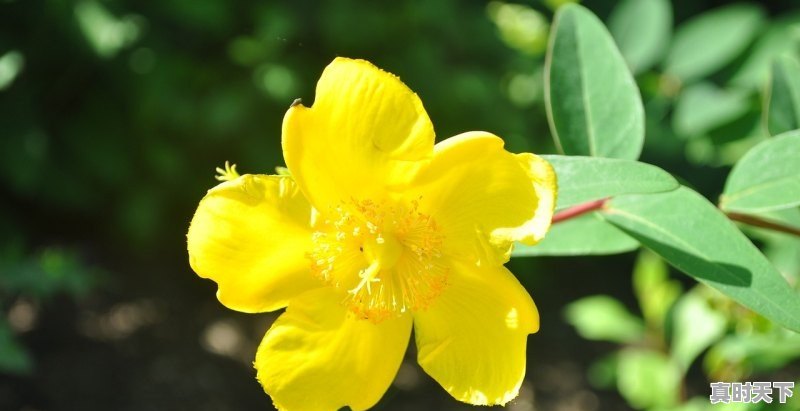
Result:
{"points": [[386, 257], [227, 174]]}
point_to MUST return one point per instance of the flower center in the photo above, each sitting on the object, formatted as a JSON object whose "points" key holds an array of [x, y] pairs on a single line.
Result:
{"points": [[386, 257]]}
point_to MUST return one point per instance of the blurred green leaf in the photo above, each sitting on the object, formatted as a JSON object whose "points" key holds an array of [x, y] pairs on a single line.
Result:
{"points": [[647, 379], [584, 235], [601, 317], [694, 236], [521, 27], [762, 352], [704, 106], [766, 178], [11, 64], [50, 272], [14, 358], [781, 37], [593, 105], [708, 42], [582, 179], [655, 292], [603, 372], [782, 101], [698, 404], [695, 327], [642, 30]]}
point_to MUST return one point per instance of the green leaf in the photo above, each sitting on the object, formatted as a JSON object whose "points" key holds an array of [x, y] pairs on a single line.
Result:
{"points": [[762, 352], [710, 41], [782, 102], [583, 179], [593, 105], [647, 378], [766, 178], [584, 235], [695, 327], [654, 290], [601, 317], [703, 106], [642, 29], [602, 373], [781, 37], [694, 236]]}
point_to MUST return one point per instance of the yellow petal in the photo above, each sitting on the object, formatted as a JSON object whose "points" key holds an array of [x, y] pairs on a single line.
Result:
{"points": [[362, 135], [472, 339], [319, 356], [250, 236], [484, 197]]}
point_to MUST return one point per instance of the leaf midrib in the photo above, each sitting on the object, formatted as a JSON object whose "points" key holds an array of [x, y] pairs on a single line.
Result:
{"points": [[590, 133]]}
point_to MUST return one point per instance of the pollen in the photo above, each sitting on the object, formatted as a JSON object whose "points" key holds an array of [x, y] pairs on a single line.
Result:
{"points": [[386, 258]]}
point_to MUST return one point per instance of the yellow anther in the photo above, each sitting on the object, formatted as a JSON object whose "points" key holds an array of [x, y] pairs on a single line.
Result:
{"points": [[386, 257]]}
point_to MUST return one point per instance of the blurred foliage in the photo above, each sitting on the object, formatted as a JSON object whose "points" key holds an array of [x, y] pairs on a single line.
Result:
{"points": [[115, 114]]}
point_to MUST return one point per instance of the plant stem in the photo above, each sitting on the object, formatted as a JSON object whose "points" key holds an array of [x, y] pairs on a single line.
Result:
{"points": [[760, 222], [578, 210]]}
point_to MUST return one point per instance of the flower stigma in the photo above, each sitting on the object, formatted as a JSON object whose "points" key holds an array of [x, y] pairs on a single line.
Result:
{"points": [[385, 257]]}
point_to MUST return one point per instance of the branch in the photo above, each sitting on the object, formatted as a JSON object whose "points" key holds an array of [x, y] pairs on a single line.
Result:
{"points": [[760, 222], [578, 210]]}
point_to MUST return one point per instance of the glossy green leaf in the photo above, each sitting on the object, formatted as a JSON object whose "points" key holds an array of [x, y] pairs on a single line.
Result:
{"points": [[766, 178], [642, 30], [582, 179], [601, 317], [703, 106], [695, 327], [710, 41], [593, 105], [584, 235], [782, 102], [694, 236], [647, 378]]}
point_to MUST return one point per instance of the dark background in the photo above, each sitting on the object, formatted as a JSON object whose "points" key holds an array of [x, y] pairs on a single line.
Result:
{"points": [[109, 136]]}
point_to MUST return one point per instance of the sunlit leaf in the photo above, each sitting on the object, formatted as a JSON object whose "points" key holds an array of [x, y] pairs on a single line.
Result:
{"points": [[582, 179], [766, 178], [695, 327], [592, 101], [694, 236], [642, 30], [601, 317], [584, 235], [782, 102], [708, 42]]}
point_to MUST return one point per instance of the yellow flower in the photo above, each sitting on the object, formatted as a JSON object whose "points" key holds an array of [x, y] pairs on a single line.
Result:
{"points": [[374, 231]]}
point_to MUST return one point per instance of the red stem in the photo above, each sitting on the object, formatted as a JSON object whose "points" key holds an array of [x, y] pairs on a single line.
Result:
{"points": [[578, 210]]}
